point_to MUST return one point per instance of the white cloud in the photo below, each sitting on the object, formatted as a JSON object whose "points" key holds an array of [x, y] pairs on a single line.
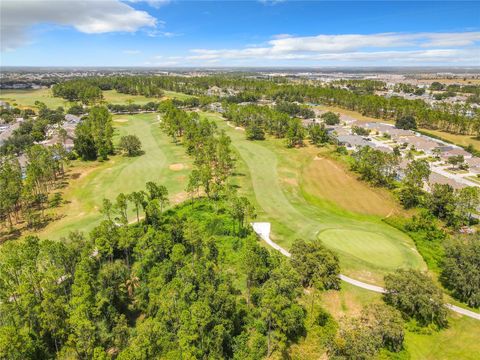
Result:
{"points": [[401, 48], [87, 16]]}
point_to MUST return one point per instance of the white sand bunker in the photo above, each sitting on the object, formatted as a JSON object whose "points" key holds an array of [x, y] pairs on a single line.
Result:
{"points": [[121, 120]]}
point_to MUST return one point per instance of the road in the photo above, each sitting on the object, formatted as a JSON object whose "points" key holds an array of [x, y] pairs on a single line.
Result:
{"points": [[263, 230]]}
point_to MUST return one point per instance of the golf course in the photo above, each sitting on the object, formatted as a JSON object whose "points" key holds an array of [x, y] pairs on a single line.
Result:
{"points": [[284, 185], [162, 162]]}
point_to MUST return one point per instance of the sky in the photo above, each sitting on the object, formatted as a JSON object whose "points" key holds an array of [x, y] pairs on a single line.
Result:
{"points": [[176, 33]]}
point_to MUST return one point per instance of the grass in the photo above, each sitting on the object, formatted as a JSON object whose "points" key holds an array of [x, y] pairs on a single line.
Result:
{"points": [[95, 181], [458, 341], [26, 98], [284, 188]]}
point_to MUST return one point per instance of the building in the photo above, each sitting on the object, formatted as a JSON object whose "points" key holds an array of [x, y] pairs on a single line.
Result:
{"points": [[353, 141]]}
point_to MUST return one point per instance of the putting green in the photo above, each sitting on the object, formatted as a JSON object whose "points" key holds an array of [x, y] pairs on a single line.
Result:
{"points": [[272, 178], [367, 246]]}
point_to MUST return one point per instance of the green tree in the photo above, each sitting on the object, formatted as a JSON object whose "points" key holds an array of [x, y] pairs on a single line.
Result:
{"points": [[461, 270], [131, 145], [416, 296]]}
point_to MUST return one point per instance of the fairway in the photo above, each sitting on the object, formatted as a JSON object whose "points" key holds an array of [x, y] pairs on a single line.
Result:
{"points": [[97, 181], [273, 184], [27, 98]]}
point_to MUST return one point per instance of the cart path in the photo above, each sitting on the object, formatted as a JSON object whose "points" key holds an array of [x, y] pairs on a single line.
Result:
{"points": [[263, 230]]}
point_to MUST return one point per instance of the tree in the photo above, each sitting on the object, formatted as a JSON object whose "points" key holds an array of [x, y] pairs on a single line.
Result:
{"points": [[138, 199], [461, 270], [282, 316], [406, 122], [416, 296], [441, 201], [330, 118], [254, 132], [11, 186], [93, 136], [467, 202], [295, 133], [378, 326], [411, 193], [318, 134], [456, 160], [316, 265], [131, 145]]}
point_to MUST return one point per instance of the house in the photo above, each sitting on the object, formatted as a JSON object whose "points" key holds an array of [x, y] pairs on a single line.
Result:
{"points": [[5, 134], [436, 178], [449, 151], [421, 143], [353, 141], [72, 119]]}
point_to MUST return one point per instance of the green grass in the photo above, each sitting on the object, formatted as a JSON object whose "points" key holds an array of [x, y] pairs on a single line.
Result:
{"points": [[27, 98], [276, 172], [121, 174]]}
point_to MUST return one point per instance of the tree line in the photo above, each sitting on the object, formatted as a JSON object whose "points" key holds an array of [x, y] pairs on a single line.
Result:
{"points": [[443, 116]]}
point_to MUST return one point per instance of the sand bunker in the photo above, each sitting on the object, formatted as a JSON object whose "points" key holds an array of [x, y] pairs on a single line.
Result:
{"points": [[177, 167]]}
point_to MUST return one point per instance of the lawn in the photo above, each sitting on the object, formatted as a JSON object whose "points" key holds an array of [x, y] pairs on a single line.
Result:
{"points": [[282, 186], [163, 162]]}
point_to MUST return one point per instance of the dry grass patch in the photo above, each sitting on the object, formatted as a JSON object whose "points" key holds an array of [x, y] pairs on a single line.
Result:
{"points": [[121, 120], [176, 167], [329, 180]]}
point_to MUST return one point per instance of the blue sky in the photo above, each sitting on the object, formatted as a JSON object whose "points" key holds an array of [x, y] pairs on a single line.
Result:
{"points": [[173, 33]]}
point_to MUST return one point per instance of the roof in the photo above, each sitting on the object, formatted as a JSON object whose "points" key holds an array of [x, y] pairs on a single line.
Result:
{"points": [[353, 140], [421, 143], [436, 178]]}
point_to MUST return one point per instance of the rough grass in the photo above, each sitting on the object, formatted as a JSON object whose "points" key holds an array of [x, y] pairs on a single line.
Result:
{"points": [[275, 173], [326, 179], [96, 181], [458, 341]]}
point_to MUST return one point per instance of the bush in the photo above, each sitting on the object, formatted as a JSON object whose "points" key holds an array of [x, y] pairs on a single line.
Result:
{"points": [[131, 145]]}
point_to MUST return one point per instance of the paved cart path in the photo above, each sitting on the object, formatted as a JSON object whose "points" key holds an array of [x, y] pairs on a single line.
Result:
{"points": [[263, 230]]}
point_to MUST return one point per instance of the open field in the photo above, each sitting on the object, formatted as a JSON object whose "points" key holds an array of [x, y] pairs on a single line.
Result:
{"points": [[27, 98], [297, 211], [462, 140], [96, 181]]}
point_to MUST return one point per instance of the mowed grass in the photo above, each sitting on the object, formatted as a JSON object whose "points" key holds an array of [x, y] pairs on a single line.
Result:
{"points": [[26, 98], [274, 184], [96, 181], [458, 341]]}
